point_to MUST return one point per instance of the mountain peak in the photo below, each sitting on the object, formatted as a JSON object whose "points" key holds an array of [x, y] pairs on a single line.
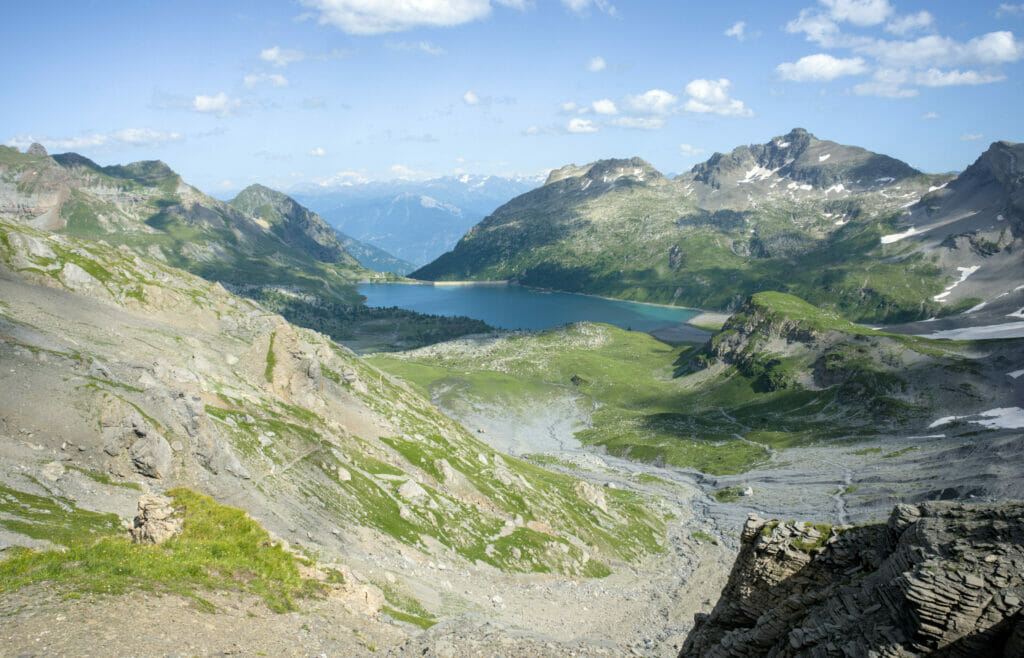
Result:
{"points": [[800, 156], [607, 171]]}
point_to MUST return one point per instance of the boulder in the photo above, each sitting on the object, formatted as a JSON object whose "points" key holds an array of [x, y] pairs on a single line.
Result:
{"points": [[151, 456], [37, 150], [156, 521], [592, 495]]}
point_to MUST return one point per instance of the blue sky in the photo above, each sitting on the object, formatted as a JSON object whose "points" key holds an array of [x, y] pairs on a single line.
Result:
{"points": [[311, 92]]}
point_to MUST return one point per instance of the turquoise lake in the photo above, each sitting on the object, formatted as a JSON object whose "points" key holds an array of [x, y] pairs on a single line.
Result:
{"points": [[516, 307]]}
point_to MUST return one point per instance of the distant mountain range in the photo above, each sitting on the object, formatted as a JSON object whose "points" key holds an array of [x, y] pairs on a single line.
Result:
{"points": [[840, 226], [416, 221]]}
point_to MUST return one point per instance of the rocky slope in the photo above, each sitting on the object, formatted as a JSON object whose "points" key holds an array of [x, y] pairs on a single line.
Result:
{"points": [[158, 378], [821, 220], [937, 579]]}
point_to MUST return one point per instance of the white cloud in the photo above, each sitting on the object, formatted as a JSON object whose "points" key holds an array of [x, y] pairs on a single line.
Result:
{"points": [[928, 116], [738, 30], [581, 6], [470, 98], [820, 67], [639, 123], [381, 16], [533, 130], [988, 49], [278, 56], [596, 64], [578, 125], [688, 150], [421, 46], [318, 152], [859, 12], [901, 25], [887, 83], [221, 104], [605, 106], [1009, 10], [274, 79], [654, 101], [816, 26], [570, 107], [972, 137], [712, 97], [937, 78], [117, 138]]}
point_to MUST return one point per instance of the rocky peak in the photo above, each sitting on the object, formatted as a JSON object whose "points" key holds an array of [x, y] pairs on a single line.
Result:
{"points": [[608, 171], [37, 150], [802, 157]]}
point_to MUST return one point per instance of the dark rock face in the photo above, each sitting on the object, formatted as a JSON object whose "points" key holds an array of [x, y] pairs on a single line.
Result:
{"points": [[941, 579]]}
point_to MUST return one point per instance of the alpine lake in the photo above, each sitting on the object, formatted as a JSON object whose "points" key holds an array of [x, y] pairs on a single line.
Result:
{"points": [[516, 307]]}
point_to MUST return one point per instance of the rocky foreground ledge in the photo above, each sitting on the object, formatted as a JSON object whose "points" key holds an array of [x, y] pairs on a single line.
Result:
{"points": [[938, 579]]}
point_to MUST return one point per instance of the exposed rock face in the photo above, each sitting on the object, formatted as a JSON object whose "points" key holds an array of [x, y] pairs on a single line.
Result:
{"points": [[37, 150], [151, 456], [937, 579], [155, 522]]}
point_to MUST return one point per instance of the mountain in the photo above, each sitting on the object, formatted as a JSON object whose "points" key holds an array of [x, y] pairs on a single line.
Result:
{"points": [[148, 208], [938, 579], [374, 258], [204, 389], [263, 245], [797, 214], [294, 224], [298, 225], [415, 220]]}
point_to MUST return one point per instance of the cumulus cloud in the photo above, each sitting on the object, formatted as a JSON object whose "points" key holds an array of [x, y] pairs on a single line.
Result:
{"points": [[858, 12], [902, 25], [937, 78], [222, 105], [470, 98], [382, 16], [571, 107], [117, 138], [654, 101], [820, 67], [274, 79], [737, 31], [596, 64], [578, 125], [605, 106], [713, 97], [318, 152], [533, 130], [928, 116], [688, 150], [639, 123]]}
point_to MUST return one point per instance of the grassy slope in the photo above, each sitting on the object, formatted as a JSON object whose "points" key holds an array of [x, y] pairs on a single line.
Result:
{"points": [[688, 407]]}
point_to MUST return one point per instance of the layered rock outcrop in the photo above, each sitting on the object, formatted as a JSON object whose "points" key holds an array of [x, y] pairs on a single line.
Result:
{"points": [[938, 579]]}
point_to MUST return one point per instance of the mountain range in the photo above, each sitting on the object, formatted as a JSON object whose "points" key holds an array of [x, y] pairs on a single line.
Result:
{"points": [[842, 227], [416, 221]]}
